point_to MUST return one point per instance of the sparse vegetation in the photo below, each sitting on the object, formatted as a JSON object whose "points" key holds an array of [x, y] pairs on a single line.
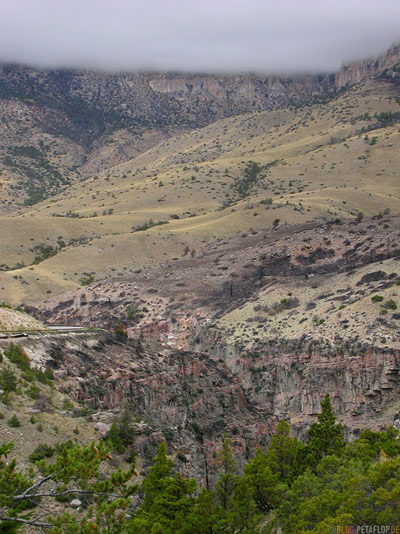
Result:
{"points": [[14, 422], [8, 380], [41, 452], [148, 225], [121, 434], [391, 304], [87, 279]]}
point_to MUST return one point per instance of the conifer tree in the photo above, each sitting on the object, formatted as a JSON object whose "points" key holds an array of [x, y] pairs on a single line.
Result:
{"points": [[227, 474], [167, 498], [76, 470], [282, 452], [325, 436], [262, 481]]}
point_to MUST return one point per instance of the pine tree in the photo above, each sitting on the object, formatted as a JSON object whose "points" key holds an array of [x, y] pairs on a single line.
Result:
{"points": [[262, 481], [282, 452], [227, 474], [75, 470], [156, 477], [167, 498], [8, 380], [325, 436]]}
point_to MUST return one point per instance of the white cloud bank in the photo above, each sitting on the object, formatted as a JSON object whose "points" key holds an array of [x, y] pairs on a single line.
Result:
{"points": [[196, 35]]}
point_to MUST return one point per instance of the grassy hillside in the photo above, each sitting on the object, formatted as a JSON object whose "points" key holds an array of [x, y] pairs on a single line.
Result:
{"points": [[285, 166], [11, 320]]}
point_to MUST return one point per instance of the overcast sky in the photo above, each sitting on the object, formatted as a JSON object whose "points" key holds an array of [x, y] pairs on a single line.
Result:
{"points": [[196, 35]]}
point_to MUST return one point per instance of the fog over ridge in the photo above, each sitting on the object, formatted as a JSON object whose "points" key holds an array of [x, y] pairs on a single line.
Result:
{"points": [[196, 35]]}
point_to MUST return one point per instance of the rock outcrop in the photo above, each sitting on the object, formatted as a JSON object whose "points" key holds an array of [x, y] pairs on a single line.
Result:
{"points": [[286, 378], [182, 397], [95, 101], [222, 96], [285, 315], [357, 71]]}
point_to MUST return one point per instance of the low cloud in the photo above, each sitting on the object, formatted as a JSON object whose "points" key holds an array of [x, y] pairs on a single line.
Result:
{"points": [[196, 35]]}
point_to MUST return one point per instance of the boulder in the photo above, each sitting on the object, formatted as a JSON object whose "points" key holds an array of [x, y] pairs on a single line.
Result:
{"points": [[102, 429]]}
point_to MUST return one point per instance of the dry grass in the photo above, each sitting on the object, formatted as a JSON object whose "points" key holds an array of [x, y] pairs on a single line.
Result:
{"points": [[324, 169], [16, 320]]}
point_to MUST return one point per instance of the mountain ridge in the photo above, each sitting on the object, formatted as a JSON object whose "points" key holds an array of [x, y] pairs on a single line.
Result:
{"points": [[356, 71], [60, 126]]}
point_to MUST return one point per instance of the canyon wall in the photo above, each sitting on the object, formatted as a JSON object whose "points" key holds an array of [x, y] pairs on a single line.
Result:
{"points": [[86, 104], [358, 70], [107, 100], [337, 334], [232, 94], [285, 379], [181, 397]]}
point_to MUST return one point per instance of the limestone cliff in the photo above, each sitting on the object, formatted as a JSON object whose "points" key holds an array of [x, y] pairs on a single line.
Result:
{"points": [[227, 95], [286, 378], [97, 102], [359, 70]]}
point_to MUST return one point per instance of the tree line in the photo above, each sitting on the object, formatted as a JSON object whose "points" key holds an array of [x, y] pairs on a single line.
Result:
{"points": [[289, 487]]}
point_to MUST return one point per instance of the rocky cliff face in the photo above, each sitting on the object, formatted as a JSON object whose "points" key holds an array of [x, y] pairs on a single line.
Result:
{"points": [[167, 390], [286, 378], [222, 96], [99, 101], [94, 102], [290, 314], [357, 71]]}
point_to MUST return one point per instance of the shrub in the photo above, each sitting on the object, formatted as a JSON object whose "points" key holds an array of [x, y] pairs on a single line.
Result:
{"points": [[18, 356], [132, 313], [45, 377], [168, 433], [41, 452], [390, 304], [121, 433], [67, 404], [64, 446], [14, 421], [277, 307], [120, 331], [147, 225], [115, 440], [181, 457], [86, 279], [8, 380], [34, 392], [377, 298]]}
